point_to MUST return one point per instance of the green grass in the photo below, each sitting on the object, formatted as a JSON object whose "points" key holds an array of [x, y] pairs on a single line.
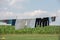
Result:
{"points": [[32, 37], [38, 30], [39, 33]]}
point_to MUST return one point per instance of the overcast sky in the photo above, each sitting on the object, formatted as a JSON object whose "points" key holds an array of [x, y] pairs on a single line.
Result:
{"points": [[29, 8]]}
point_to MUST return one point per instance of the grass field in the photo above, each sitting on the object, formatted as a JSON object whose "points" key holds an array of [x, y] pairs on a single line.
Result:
{"points": [[39, 33], [38, 30], [32, 37]]}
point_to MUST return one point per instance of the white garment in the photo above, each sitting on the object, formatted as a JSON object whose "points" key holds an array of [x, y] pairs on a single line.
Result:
{"points": [[22, 23]]}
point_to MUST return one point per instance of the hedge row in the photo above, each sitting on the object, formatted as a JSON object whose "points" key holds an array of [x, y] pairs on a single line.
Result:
{"points": [[37, 30]]}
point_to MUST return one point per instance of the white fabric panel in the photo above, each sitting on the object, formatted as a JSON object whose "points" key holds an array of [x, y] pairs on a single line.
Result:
{"points": [[31, 23], [20, 23]]}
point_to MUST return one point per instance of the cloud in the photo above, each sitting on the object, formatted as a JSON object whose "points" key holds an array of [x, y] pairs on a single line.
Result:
{"points": [[33, 14], [3, 9], [12, 4], [7, 15], [2, 1], [58, 13], [18, 4]]}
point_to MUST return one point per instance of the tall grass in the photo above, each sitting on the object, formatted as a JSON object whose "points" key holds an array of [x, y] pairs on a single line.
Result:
{"points": [[38, 30], [6, 29]]}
